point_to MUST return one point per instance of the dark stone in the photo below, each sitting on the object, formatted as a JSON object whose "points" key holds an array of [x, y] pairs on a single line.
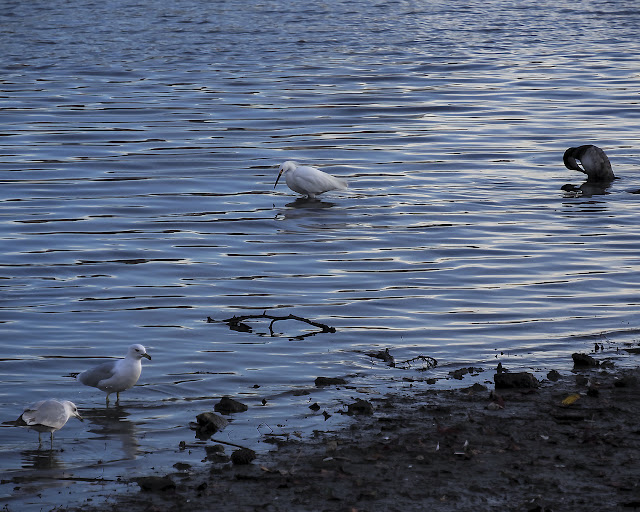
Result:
{"points": [[475, 388], [243, 456], [208, 424], [553, 375], [329, 381], [360, 407], [581, 380], [155, 483], [583, 360], [228, 405], [216, 448], [515, 380], [314, 407], [626, 381], [216, 453], [459, 373]]}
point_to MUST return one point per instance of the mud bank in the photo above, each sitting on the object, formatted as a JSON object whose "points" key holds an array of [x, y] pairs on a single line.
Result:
{"points": [[567, 444]]}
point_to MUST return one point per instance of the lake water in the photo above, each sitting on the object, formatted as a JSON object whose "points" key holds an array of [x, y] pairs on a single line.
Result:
{"points": [[139, 146]]}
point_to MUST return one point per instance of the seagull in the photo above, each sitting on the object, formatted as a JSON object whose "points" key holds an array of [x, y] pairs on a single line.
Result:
{"points": [[309, 180], [116, 376], [595, 163], [47, 416]]}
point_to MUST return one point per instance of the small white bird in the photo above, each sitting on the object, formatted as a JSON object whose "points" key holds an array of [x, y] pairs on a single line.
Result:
{"points": [[47, 416], [116, 376], [309, 180], [595, 163]]}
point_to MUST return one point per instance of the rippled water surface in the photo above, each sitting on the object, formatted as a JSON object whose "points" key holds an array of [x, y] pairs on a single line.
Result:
{"points": [[138, 151]]}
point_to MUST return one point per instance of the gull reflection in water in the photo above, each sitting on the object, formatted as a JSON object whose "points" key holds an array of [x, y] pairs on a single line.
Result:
{"points": [[112, 423], [41, 459]]}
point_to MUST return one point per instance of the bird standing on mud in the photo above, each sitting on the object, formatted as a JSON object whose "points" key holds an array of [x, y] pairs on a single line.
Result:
{"points": [[595, 163], [309, 180]]}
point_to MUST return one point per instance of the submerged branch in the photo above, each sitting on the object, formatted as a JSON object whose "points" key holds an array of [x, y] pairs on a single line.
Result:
{"points": [[431, 362], [385, 355], [237, 322]]}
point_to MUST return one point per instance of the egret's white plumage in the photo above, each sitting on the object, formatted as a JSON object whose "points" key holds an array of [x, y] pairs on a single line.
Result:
{"points": [[48, 416], [309, 180], [595, 163], [116, 376]]}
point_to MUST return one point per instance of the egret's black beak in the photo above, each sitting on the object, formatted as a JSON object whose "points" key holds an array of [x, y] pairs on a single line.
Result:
{"points": [[278, 179]]}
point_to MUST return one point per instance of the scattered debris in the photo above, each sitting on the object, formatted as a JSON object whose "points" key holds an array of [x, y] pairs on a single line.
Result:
{"points": [[571, 399]]}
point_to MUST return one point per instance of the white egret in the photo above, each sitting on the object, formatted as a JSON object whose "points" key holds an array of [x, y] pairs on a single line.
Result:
{"points": [[595, 163], [116, 376], [309, 180], [47, 416]]}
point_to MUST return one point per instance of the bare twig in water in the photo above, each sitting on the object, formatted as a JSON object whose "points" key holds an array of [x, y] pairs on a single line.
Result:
{"points": [[237, 322], [430, 362]]}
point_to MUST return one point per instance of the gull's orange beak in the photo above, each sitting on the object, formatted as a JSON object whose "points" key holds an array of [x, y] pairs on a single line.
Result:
{"points": [[278, 178]]}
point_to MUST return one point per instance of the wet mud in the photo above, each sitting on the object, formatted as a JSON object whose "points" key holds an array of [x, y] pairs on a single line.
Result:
{"points": [[570, 443]]}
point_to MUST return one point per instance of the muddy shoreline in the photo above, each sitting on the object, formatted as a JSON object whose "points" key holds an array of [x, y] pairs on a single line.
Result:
{"points": [[571, 443]]}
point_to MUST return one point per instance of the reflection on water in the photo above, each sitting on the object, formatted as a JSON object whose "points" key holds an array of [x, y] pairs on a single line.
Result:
{"points": [[111, 424], [138, 155], [311, 204], [41, 460]]}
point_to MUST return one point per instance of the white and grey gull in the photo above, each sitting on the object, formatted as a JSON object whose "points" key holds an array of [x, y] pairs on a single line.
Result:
{"points": [[47, 416], [116, 376]]}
